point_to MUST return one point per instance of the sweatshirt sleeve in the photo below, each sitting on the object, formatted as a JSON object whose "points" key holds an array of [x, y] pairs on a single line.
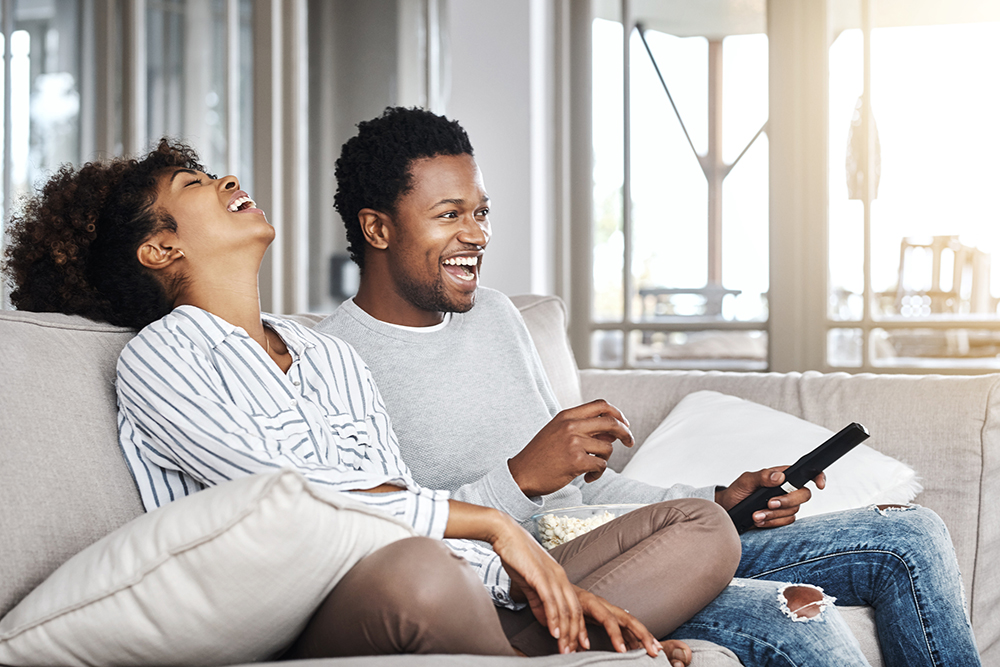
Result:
{"points": [[612, 487]]}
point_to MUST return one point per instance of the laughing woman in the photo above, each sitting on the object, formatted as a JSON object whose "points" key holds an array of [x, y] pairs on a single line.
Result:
{"points": [[212, 389]]}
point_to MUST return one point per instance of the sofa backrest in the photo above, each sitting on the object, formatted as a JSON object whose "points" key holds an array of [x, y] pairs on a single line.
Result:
{"points": [[946, 427], [63, 482]]}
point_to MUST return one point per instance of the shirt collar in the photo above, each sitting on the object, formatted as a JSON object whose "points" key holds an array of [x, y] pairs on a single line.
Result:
{"points": [[217, 329]]}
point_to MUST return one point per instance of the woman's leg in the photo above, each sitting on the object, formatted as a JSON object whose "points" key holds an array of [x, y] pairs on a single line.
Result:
{"points": [[413, 596], [663, 563], [900, 561]]}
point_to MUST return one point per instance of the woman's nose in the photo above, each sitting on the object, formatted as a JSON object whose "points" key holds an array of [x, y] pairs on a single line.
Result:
{"points": [[230, 183]]}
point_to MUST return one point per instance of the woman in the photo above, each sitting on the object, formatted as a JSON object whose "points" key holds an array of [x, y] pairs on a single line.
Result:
{"points": [[211, 389]]}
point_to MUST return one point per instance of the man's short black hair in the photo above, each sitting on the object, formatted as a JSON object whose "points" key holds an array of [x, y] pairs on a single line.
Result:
{"points": [[373, 170]]}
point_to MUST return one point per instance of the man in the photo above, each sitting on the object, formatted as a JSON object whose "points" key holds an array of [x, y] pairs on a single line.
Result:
{"points": [[475, 414]]}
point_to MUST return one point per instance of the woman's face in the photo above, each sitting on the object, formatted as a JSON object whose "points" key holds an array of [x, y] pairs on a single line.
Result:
{"points": [[215, 218]]}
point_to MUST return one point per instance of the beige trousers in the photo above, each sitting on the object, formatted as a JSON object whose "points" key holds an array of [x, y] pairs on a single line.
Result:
{"points": [[663, 563]]}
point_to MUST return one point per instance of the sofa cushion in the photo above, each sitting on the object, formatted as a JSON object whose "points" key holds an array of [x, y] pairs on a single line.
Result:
{"points": [[63, 482], [709, 437], [545, 317], [226, 575]]}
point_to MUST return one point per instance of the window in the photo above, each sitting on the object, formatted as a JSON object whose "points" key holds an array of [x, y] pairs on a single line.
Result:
{"points": [[680, 235], [913, 221], [91, 79]]}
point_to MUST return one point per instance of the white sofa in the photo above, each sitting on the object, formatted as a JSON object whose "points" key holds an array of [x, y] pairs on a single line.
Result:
{"points": [[63, 484]]}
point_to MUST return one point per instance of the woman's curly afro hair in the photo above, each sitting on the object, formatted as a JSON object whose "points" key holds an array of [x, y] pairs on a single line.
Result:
{"points": [[373, 170], [73, 245]]}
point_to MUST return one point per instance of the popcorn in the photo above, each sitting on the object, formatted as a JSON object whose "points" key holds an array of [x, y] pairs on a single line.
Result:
{"points": [[554, 530]]}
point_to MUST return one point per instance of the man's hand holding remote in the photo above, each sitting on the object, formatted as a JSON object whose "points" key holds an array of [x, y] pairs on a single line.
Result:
{"points": [[780, 510]]}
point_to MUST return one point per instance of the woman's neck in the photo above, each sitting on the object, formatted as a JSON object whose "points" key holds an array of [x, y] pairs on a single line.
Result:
{"points": [[235, 300]]}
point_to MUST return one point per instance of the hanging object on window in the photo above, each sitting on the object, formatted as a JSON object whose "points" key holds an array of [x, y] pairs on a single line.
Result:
{"points": [[857, 162]]}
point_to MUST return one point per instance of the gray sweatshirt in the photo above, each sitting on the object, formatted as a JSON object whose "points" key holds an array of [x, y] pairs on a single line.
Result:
{"points": [[466, 397]]}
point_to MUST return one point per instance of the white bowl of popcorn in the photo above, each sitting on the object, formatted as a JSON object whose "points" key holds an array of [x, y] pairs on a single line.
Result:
{"points": [[562, 525]]}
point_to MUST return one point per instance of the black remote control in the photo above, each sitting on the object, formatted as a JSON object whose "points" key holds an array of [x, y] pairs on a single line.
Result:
{"points": [[800, 472]]}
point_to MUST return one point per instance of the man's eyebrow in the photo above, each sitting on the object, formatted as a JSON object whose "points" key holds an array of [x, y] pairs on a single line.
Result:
{"points": [[459, 201], [183, 171]]}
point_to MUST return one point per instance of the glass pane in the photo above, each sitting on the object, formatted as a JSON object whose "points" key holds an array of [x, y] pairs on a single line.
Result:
{"points": [[843, 347], [847, 215], [242, 116], [745, 235], [608, 135], [669, 189], [606, 349], [188, 78], [45, 89], [935, 348], [934, 221], [166, 94], [727, 350], [744, 92]]}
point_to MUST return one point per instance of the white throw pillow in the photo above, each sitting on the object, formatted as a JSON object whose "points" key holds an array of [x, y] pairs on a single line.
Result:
{"points": [[712, 438], [227, 575]]}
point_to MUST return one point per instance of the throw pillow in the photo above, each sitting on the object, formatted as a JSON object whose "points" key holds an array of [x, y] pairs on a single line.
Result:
{"points": [[712, 438], [224, 576]]}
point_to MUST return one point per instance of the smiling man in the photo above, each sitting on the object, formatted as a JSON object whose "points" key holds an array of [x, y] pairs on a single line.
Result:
{"points": [[474, 414]]}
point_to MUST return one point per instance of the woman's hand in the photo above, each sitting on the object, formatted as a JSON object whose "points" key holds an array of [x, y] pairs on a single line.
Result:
{"points": [[627, 632], [536, 578]]}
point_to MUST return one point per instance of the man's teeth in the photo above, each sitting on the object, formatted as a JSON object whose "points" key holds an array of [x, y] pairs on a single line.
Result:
{"points": [[462, 261], [466, 263], [238, 203]]}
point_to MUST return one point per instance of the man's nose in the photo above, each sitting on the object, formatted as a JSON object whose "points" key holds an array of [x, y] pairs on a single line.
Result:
{"points": [[475, 232]]}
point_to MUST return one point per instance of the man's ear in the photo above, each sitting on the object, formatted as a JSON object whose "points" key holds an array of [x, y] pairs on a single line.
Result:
{"points": [[375, 227], [158, 251]]}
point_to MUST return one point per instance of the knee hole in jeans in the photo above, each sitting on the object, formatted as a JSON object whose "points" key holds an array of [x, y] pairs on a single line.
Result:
{"points": [[885, 509], [802, 602]]}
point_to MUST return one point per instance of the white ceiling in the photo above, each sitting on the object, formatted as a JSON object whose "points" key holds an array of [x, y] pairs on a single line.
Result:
{"points": [[719, 18]]}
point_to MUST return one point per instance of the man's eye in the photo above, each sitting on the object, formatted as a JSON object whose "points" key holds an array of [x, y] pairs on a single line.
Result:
{"points": [[450, 215], [483, 212]]}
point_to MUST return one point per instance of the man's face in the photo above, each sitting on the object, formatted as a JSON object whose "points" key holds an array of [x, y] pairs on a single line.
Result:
{"points": [[441, 230]]}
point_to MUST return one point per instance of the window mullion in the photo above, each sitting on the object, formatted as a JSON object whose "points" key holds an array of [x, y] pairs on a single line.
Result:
{"points": [[627, 278]]}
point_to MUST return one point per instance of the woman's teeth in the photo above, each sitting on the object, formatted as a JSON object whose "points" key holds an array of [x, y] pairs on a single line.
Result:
{"points": [[242, 204]]}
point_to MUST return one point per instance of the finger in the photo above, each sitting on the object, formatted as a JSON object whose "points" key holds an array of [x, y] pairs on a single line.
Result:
{"points": [[593, 409], [677, 652], [571, 617], [601, 449], [820, 480], [793, 499], [772, 476], [643, 636], [776, 523]]}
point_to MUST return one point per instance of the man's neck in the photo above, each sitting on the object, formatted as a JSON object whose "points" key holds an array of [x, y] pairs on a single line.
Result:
{"points": [[385, 304]]}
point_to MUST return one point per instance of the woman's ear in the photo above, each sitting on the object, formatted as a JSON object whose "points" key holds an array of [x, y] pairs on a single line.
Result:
{"points": [[374, 225], [158, 251]]}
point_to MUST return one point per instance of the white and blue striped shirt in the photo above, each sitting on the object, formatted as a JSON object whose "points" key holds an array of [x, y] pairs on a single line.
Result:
{"points": [[200, 403]]}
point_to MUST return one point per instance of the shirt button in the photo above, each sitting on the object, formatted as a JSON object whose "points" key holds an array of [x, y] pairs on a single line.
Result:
{"points": [[293, 402], [296, 383]]}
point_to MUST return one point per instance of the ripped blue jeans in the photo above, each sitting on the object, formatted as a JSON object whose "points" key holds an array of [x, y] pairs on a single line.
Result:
{"points": [[901, 562]]}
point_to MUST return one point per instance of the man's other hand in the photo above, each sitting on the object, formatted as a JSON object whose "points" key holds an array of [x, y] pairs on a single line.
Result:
{"points": [[577, 441], [780, 509]]}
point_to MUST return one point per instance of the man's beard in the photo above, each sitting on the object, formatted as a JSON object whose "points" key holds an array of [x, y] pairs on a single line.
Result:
{"points": [[431, 297]]}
